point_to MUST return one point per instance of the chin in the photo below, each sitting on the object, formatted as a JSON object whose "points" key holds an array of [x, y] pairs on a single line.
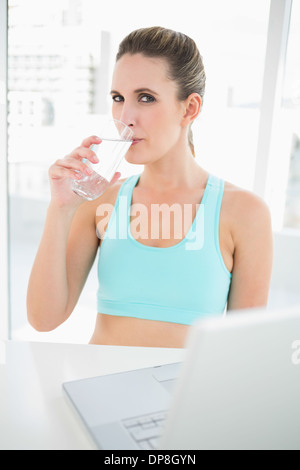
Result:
{"points": [[136, 159]]}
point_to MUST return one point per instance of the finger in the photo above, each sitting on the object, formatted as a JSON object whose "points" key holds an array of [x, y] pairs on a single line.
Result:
{"points": [[60, 173], [81, 153], [115, 177], [93, 139], [71, 164]]}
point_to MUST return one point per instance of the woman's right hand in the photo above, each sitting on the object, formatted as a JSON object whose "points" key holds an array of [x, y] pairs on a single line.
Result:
{"points": [[71, 167]]}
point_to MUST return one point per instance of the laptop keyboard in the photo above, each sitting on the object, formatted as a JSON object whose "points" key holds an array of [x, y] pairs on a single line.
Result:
{"points": [[147, 429]]}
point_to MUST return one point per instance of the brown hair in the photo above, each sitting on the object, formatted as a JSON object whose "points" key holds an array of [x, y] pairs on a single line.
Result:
{"points": [[182, 55]]}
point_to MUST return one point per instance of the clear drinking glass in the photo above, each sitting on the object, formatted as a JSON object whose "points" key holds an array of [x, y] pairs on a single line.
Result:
{"points": [[116, 139]]}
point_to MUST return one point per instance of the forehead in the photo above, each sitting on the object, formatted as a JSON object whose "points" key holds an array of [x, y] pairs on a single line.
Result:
{"points": [[138, 71]]}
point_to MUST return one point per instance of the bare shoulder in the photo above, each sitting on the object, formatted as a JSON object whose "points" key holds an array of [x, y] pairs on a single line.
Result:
{"points": [[242, 200], [245, 211]]}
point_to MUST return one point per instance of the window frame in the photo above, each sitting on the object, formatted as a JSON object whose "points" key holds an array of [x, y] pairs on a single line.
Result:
{"points": [[277, 40]]}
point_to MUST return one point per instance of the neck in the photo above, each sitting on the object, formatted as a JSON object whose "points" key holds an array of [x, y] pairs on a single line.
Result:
{"points": [[172, 172]]}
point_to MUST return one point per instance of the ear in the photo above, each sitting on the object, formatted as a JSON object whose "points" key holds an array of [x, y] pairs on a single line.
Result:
{"points": [[192, 107]]}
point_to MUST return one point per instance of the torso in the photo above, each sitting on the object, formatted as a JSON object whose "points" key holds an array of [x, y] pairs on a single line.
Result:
{"points": [[137, 332]]}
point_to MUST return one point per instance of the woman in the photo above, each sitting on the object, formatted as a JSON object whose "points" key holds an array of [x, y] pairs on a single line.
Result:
{"points": [[152, 285]]}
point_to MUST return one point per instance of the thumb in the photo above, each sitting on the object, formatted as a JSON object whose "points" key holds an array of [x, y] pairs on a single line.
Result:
{"points": [[115, 178]]}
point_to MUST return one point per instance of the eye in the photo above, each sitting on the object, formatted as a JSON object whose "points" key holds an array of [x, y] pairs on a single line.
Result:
{"points": [[117, 98], [146, 98]]}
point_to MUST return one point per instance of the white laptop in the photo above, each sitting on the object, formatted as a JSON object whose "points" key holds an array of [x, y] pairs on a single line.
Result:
{"points": [[238, 388]]}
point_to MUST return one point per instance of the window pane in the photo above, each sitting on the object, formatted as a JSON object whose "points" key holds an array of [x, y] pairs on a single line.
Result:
{"points": [[291, 119], [61, 55], [52, 74]]}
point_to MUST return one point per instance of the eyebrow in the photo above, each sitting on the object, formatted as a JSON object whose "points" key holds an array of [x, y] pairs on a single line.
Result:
{"points": [[139, 90]]}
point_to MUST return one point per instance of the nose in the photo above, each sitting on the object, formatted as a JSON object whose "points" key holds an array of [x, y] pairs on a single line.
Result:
{"points": [[128, 115]]}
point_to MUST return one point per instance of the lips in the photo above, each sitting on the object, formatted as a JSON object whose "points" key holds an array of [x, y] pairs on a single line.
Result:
{"points": [[136, 141]]}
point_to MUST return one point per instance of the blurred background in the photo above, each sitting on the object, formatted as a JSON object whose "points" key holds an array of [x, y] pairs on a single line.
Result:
{"points": [[60, 57]]}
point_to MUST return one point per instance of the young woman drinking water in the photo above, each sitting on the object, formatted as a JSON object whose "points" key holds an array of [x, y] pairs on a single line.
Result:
{"points": [[153, 283]]}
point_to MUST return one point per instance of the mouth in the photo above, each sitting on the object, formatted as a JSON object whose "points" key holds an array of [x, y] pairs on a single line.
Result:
{"points": [[136, 141]]}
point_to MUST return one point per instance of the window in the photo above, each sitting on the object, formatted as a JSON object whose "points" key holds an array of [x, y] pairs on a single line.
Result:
{"points": [[53, 92], [290, 111]]}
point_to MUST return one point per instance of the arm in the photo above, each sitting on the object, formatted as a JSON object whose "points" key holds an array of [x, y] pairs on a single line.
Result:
{"points": [[68, 247], [63, 261], [253, 252]]}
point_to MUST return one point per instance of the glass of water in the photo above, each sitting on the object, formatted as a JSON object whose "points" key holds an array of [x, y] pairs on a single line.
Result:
{"points": [[116, 139]]}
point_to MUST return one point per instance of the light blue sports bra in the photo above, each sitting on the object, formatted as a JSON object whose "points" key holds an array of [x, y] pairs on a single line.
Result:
{"points": [[177, 284]]}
